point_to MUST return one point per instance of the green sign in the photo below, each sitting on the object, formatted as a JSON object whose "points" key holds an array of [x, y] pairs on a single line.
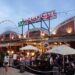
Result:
{"points": [[21, 23]]}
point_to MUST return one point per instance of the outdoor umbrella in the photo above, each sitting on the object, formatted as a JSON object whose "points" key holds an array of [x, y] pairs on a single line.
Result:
{"points": [[62, 50], [29, 48]]}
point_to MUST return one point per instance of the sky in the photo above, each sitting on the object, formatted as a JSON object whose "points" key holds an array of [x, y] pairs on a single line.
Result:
{"points": [[13, 11]]}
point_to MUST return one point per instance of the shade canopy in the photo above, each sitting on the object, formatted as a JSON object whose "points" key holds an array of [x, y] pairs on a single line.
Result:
{"points": [[62, 49], [29, 47]]}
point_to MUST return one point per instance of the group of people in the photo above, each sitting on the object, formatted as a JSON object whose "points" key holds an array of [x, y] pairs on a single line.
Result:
{"points": [[52, 60], [49, 61], [67, 63], [16, 60]]}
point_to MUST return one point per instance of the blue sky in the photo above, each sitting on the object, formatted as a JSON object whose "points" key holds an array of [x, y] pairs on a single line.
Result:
{"points": [[16, 10]]}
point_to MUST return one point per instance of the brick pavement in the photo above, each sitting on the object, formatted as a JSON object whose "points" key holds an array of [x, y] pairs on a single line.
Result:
{"points": [[12, 71]]}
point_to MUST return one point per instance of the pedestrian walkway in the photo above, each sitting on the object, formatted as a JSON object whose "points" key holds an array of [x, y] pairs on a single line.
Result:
{"points": [[12, 71]]}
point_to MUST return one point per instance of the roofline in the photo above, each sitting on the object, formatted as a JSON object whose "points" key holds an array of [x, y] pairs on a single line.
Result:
{"points": [[63, 23]]}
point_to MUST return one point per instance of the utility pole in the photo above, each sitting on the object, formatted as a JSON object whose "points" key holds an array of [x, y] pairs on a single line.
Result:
{"points": [[21, 24]]}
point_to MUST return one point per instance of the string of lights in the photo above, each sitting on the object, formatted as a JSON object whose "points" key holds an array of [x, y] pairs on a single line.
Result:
{"points": [[66, 12]]}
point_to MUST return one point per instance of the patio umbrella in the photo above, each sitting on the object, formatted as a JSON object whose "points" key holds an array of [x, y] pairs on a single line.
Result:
{"points": [[29, 48], [62, 50]]}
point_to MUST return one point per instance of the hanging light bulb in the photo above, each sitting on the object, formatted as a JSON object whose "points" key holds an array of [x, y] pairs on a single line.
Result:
{"points": [[28, 53], [32, 54], [12, 52]]}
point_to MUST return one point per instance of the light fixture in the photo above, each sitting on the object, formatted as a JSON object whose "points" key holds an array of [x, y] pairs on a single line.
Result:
{"points": [[28, 53], [8, 52], [60, 43], [69, 30], [2, 39], [24, 36], [55, 43], [12, 52], [42, 33], [32, 54], [12, 37], [19, 36], [34, 43], [54, 32], [8, 44]]}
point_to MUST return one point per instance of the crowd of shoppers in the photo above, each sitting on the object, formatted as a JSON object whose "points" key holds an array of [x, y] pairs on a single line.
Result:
{"points": [[42, 62]]}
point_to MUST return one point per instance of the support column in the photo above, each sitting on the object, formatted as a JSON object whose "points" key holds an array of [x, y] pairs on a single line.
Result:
{"points": [[22, 31], [74, 24], [28, 31], [41, 24], [49, 27]]}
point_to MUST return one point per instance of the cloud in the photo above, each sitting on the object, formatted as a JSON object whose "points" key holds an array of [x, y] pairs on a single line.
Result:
{"points": [[5, 11], [16, 10]]}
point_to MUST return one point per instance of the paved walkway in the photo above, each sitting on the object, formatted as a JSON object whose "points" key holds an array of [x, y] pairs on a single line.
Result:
{"points": [[12, 71]]}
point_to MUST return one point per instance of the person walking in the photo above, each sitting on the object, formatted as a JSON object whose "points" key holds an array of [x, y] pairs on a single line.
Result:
{"points": [[6, 62]]}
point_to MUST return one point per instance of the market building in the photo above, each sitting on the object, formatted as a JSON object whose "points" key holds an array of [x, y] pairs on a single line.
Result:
{"points": [[64, 33]]}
